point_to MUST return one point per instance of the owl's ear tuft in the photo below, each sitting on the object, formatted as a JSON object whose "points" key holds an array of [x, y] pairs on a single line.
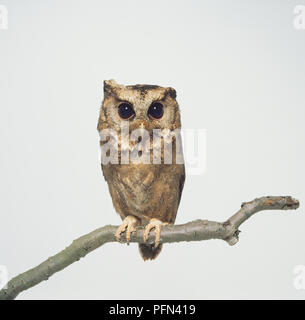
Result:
{"points": [[109, 86], [171, 92]]}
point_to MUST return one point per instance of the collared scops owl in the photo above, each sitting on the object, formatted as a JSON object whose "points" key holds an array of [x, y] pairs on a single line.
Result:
{"points": [[142, 158]]}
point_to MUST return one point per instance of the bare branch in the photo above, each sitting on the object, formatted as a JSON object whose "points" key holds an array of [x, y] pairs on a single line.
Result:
{"points": [[192, 231]]}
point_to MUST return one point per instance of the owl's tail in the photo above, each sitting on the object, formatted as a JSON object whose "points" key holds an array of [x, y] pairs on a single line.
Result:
{"points": [[148, 251]]}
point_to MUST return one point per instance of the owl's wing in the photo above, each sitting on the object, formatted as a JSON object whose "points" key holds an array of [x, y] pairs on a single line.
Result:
{"points": [[107, 172], [181, 182], [104, 170]]}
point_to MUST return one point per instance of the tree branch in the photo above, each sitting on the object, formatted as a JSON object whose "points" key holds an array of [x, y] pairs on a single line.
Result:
{"points": [[192, 231]]}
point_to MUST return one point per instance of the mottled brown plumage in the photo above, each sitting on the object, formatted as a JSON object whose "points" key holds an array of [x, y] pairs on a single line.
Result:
{"points": [[141, 192]]}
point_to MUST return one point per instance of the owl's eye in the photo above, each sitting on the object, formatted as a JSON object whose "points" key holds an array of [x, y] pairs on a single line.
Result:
{"points": [[125, 110], [155, 111]]}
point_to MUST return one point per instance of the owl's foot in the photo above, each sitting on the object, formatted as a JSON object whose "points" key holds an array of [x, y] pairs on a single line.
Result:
{"points": [[129, 224], [156, 225]]}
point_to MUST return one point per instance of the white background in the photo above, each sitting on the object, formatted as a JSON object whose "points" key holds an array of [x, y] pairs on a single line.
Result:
{"points": [[239, 71]]}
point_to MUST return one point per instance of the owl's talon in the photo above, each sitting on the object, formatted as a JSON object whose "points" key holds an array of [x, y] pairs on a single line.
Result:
{"points": [[156, 225], [128, 224]]}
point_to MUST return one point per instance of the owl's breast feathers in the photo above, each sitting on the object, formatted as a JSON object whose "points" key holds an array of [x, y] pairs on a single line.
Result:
{"points": [[146, 190]]}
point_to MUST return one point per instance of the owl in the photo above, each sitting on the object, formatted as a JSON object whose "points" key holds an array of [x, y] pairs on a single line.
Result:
{"points": [[145, 191]]}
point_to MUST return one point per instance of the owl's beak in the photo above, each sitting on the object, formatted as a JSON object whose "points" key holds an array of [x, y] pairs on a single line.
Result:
{"points": [[142, 124]]}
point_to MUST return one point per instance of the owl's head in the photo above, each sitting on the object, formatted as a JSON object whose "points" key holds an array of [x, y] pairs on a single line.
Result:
{"points": [[142, 106]]}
